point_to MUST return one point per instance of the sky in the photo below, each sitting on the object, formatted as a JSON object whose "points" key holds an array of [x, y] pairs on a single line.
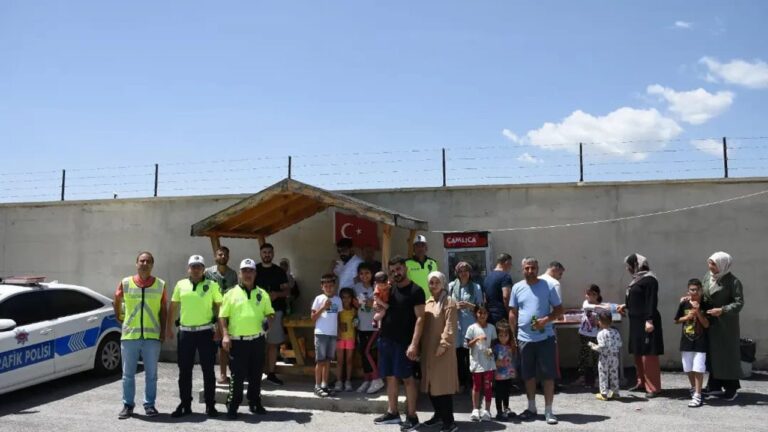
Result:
{"points": [[366, 94]]}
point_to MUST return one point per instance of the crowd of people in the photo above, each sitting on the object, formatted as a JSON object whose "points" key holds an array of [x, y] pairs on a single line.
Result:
{"points": [[412, 325]]}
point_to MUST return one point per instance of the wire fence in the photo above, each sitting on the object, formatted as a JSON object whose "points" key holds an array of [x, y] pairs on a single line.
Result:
{"points": [[421, 167]]}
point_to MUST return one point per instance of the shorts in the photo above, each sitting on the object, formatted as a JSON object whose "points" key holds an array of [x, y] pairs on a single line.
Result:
{"points": [[276, 333], [393, 361], [538, 357], [694, 361], [325, 348], [345, 344]]}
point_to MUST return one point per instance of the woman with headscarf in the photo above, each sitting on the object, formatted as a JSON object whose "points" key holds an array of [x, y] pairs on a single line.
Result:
{"points": [[438, 352], [724, 292], [467, 295], [646, 341]]}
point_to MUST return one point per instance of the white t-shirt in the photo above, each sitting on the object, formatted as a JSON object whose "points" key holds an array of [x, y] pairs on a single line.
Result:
{"points": [[553, 283], [347, 272], [364, 314], [328, 323], [479, 359]]}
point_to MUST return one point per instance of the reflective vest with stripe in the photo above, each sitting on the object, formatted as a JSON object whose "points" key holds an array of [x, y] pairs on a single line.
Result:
{"points": [[142, 309]]}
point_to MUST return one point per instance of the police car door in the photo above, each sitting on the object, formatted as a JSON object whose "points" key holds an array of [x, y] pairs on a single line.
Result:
{"points": [[26, 352], [77, 322]]}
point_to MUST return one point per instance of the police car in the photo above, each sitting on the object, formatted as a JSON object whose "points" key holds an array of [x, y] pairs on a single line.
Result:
{"points": [[49, 330]]}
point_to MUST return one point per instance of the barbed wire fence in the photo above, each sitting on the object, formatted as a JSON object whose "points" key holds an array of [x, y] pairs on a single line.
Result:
{"points": [[421, 167]]}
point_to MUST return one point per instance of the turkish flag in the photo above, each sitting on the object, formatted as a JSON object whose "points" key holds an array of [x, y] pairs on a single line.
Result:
{"points": [[363, 232]]}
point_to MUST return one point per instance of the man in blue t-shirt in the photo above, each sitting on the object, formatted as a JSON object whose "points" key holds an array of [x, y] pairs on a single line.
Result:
{"points": [[496, 287], [530, 304]]}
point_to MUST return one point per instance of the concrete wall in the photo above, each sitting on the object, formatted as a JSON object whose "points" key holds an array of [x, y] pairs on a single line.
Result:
{"points": [[94, 243]]}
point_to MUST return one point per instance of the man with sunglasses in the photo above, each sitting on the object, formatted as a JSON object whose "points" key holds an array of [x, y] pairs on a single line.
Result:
{"points": [[243, 312], [198, 300]]}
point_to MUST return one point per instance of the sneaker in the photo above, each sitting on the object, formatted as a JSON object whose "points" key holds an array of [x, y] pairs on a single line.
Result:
{"points": [[410, 423], [509, 413], [602, 397], [319, 391], [339, 386], [695, 401], [501, 416], [550, 418], [273, 379], [729, 395], [363, 387], [211, 411], [527, 415], [376, 386], [151, 411], [348, 386], [485, 415], [691, 391], [257, 409], [475, 416], [181, 411], [387, 418], [433, 421], [126, 412]]}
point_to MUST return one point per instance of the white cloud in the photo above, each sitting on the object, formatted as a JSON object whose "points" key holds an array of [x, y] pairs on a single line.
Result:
{"points": [[511, 135], [625, 132], [740, 72], [528, 158], [709, 146], [695, 106], [683, 25]]}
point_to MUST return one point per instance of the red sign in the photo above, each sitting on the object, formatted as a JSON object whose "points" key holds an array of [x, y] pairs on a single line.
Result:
{"points": [[363, 232], [465, 240]]}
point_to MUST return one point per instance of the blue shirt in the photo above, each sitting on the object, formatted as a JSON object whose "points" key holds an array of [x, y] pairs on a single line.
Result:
{"points": [[530, 300]]}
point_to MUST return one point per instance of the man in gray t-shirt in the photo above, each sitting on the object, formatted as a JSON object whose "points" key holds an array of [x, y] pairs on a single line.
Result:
{"points": [[226, 278]]}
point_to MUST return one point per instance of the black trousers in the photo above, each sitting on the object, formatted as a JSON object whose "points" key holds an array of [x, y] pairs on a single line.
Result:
{"points": [[501, 389], [443, 406], [462, 363], [189, 343], [715, 384], [246, 360]]}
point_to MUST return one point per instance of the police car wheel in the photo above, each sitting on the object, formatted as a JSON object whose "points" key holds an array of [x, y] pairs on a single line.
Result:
{"points": [[108, 359]]}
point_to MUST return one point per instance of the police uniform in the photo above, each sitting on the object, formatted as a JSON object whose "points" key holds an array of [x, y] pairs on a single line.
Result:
{"points": [[245, 312], [195, 335], [418, 272]]}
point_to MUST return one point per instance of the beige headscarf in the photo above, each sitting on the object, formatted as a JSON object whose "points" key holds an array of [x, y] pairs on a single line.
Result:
{"points": [[723, 262], [444, 293]]}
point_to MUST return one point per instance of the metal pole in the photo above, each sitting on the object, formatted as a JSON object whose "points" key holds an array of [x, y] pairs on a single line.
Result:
{"points": [[157, 172], [444, 179], [725, 157], [581, 163], [63, 182], [289, 167]]}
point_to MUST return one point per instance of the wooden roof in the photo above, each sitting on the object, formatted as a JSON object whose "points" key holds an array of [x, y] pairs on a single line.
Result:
{"points": [[286, 203]]}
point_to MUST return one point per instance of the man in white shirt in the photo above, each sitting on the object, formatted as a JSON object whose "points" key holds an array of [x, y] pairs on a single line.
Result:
{"points": [[345, 268]]}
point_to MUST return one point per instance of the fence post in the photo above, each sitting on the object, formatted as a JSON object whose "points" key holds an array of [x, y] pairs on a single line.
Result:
{"points": [[581, 163], [725, 157], [63, 182], [444, 179], [289, 166], [157, 172]]}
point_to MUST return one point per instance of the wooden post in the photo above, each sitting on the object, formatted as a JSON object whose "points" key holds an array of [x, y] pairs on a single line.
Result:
{"points": [[411, 236], [215, 244], [386, 246]]}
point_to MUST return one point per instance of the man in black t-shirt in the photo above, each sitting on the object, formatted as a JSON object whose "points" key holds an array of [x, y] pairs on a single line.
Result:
{"points": [[693, 342], [399, 343], [497, 288], [273, 279]]}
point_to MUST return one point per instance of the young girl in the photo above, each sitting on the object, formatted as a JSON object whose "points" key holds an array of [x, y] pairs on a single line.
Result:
{"points": [[345, 346], [481, 363], [366, 334], [380, 298], [588, 333], [608, 345], [504, 351]]}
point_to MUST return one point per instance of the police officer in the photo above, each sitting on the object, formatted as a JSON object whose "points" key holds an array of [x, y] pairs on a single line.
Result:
{"points": [[245, 309], [140, 305], [199, 300], [421, 265]]}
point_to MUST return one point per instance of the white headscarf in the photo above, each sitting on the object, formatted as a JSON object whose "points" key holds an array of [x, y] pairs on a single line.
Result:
{"points": [[444, 293], [639, 266], [723, 262]]}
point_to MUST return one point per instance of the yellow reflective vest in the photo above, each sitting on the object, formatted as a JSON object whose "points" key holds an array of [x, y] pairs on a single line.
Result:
{"points": [[142, 309]]}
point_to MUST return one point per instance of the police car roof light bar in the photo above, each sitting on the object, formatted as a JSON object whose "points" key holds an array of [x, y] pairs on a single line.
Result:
{"points": [[23, 280]]}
